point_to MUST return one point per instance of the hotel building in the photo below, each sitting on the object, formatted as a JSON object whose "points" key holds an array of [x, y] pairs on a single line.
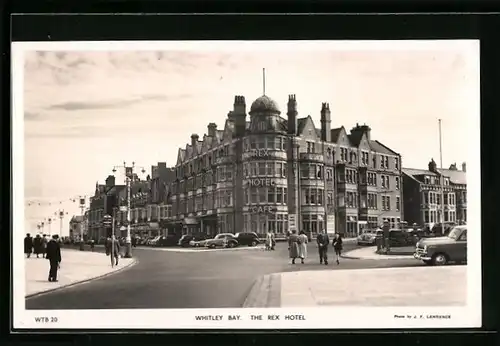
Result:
{"points": [[264, 172]]}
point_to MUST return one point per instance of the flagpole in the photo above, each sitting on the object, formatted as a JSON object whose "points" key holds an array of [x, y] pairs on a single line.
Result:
{"points": [[441, 178]]}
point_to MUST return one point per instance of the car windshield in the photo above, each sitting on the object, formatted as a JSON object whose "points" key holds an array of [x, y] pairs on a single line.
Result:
{"points": [[220, 236], [455, 233]]}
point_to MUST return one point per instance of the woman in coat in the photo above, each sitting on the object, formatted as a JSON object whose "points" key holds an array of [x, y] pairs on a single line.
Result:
{"points": [[302, 242], [337, 246], [37, 245], [28, 245], [293, 246]]}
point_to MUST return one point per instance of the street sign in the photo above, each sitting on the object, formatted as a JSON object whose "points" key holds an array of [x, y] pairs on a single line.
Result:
{"points": [[292, 222], [107, 220]]}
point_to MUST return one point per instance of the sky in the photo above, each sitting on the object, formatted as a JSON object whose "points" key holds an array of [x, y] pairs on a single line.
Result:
{"points": [[88, 110]]}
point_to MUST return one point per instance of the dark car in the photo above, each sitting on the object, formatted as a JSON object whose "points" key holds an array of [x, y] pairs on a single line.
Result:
{"points": [[169, 240], [188, 240], [441, 250], [397, 238], [222, 240], [247, 238]]}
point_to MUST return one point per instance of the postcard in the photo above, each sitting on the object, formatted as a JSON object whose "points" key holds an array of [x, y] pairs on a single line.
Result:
{"points": [[246, 185]]}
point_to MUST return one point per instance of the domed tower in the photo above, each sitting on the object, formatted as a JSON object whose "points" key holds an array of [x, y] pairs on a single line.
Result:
{"points": [[264, 114]]}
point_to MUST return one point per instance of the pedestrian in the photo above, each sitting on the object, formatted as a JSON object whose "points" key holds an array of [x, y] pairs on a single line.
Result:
{"points": [[54, 257], [107, 246], [92, 245], [293, 246], [115, 250], [37, 245], [28, 245], [323, 241], [269, 240], [44, 245], [337, 246], [302, 241], [134, 241]]}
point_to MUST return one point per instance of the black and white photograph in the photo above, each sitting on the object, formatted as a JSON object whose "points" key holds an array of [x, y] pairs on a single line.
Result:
{"points": [[246, 184]]}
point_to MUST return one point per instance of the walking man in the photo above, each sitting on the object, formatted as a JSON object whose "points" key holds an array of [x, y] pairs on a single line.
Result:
{"points": [[323, 242], [115, 250], [44, 245], [28, 245], [54, 257]]}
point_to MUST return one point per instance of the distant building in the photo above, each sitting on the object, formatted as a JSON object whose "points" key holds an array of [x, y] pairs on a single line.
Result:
{"points": [[76, 226], [270, 173], [422, 194]]}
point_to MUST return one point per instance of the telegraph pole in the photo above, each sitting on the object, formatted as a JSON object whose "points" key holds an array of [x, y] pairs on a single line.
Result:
{"points": [[82, 210]]}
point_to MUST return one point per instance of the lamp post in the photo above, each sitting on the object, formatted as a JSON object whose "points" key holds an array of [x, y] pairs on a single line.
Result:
{"points": [[82, 210], [49, 221], [41, 225], [129, 173], [61, 218]]}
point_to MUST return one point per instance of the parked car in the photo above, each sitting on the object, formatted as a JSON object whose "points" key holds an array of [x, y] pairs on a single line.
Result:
{"points": [[222, 240], [192, 240], [441, 250], [154, 240], [368, 238], [169, 240], [247, 238]]}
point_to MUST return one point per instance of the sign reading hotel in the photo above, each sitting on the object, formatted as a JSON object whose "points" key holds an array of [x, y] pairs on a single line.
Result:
{"points": [[257, 209], [261, 182]]}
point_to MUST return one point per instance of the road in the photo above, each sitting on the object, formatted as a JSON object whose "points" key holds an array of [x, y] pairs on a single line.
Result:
{"points": [[170, 280]]}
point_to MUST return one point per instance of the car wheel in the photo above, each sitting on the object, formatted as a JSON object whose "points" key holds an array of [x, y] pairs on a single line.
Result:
{"points": [[212, 246], [439, 259], [254, 243], [230, 245]]}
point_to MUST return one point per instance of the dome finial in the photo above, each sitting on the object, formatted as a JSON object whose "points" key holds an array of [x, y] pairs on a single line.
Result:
{"points": [[263, 81]]}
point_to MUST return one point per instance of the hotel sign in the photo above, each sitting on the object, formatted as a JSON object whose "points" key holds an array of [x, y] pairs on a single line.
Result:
{"points": [[261, 182], [257, 209], [260, 152]]}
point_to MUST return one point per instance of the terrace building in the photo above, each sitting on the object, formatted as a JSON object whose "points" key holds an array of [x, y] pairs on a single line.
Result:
{"points": [[423, 190], [263, 172]]}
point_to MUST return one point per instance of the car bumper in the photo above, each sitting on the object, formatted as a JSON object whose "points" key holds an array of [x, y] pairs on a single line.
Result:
{"points": [[366, 242], [421, 256]]}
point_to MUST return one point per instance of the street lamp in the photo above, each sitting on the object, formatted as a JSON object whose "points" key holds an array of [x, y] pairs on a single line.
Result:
{"points": [[129, 172], [49, 221], [82, 209], [61, 214]]}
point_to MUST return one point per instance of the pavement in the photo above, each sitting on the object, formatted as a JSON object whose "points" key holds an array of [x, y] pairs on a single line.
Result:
{"points": [[76, 267], [201, 279], [369, 253], [422, 286]]}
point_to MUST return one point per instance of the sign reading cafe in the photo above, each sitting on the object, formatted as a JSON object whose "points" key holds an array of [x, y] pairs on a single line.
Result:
{"points": [[262, 209], [261, 182]]}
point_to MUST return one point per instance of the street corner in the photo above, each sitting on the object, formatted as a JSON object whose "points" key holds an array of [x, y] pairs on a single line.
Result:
{"points": [[77, 267], [265, 292]]}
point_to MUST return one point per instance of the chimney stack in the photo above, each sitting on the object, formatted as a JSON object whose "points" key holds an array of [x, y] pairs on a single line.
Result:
{"points": [[292, 114], [110, 181], [239, 115], [464, 167], [326, 133], [212, 129], [194, 140]]}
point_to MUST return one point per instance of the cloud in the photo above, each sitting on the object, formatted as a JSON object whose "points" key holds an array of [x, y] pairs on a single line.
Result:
{"points": [[109, 104]]}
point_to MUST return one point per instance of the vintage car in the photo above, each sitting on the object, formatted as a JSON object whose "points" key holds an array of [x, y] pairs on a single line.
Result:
{"points": [[368, 237], [222, 240], [247, 238], [441, 250], [188, 240]]}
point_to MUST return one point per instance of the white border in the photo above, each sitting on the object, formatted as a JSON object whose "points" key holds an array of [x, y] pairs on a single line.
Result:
{"points": [[316, 318]]}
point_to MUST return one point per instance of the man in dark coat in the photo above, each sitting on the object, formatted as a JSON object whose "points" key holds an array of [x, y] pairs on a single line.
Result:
{"points": [[323, 241], [44, 245], [115, 249], [54, 257], [37, 245], [28, 245]]}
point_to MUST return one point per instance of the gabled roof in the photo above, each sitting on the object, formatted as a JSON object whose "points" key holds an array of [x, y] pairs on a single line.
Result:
{"points": [[380, 148], [355, 138], [456, 177], [301, 123], [417, 172], [334, 133]]}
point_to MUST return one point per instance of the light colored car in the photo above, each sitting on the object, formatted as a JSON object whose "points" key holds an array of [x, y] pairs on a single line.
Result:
{"points": [[368, 238], [222, 240], [155, 240]]}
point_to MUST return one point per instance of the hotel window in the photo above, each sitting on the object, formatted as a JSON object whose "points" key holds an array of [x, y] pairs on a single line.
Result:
{"points": [[253, 143], [343, 154], [374, 160], [199, 203], [386, 203], [312, 196], [396, 163], [329, 174], [311, 224], [446, 199], [398, 203], [386, 162], [438, 199], [364, 158], [229, 173], [329, 198], [426, 197], [262, 168], [253, 195], [351, 200], [397, 182], [372, 201], [310, 147]]}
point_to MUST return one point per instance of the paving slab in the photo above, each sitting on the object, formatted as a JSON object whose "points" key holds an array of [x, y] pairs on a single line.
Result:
{"points": [[76, 267], [369, 252]]}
